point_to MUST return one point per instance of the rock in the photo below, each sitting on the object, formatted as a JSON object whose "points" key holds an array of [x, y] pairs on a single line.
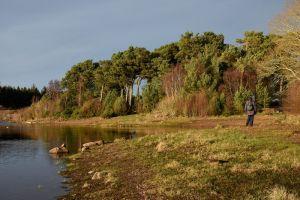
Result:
{"points": [[90, 144], [97, 176], [54, 150], [58, 150], [85, 185], [84, 149], [63, 150]]}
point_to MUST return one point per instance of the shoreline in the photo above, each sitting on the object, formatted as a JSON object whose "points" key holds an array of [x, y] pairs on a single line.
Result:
{"points": [[187, 164], [171, 165], [143, 120]]}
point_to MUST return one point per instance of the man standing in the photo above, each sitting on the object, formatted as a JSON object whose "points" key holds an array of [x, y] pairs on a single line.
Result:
{"points": [[250, 109]]}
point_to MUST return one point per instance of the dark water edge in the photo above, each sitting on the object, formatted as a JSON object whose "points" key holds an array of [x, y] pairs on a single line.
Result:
{"points": [[7, 124], [27, 171]]}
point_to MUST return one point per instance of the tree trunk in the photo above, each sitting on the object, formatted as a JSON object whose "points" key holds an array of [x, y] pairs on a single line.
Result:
{"points": [[122, 93], [138, 83], [242, 79], [126, 94], [101, 93], [130, 95], [281, 86], [80, 92]]}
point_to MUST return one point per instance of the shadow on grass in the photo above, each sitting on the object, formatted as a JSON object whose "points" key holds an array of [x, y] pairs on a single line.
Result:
{"points": [[236, 185]]}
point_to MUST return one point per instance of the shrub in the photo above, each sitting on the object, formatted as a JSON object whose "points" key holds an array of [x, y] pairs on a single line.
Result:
{"points": [[166, 107], [216, 104], [195, 104], [240, 98], [108, 103], [90, 108], [151, 95], [291, 102], [120, 106], [262, 96]]}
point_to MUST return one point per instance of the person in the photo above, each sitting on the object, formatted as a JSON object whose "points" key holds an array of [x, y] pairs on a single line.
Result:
{"points": [[250, 110]]}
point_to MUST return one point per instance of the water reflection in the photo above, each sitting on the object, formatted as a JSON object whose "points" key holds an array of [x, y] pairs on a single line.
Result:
{"points": [[27, 171], [73, 137]]}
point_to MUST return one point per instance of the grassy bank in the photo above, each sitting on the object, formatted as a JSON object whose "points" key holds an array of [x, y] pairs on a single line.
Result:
{"points": [[150, 120], [193, 164]]}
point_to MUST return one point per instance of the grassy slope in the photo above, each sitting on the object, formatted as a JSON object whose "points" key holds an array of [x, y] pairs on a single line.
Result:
{"points": [[193, 164]]}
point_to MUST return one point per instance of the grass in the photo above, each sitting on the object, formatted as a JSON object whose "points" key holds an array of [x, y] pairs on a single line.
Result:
{"points": [[217, 163]]}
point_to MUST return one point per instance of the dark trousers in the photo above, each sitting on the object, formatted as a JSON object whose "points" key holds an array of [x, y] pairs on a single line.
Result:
{"points": [[250, 120]]}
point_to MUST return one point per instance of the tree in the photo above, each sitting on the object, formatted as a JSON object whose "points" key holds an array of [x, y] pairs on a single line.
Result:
{"points": [[288, 21], [79, 83], [16, 97], [53, 90], [131, 66], [191, 45], [287, 54]]}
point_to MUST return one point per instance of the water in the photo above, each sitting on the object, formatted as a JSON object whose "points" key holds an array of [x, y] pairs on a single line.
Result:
{"points": [[27, 171]]}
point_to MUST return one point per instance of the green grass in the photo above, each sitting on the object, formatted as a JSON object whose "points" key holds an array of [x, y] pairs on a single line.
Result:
{"points": [[219, 164]]}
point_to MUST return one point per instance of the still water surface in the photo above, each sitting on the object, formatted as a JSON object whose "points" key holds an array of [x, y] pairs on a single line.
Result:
{"points": [[27, 171]]}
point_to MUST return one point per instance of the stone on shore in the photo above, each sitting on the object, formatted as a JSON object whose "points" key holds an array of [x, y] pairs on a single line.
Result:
{"points": [[90, 144], [59, 150], [84, 149]]}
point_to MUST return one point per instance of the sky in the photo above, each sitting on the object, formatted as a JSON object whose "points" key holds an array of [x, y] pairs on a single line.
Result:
{"points": [[41, 39]]}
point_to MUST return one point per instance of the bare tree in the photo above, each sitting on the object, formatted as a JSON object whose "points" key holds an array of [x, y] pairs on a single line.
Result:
{"points": [[288, 20], [53, 89], [286, 56], [174, 80]]}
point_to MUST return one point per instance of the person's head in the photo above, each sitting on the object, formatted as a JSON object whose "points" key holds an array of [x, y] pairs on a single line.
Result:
{"points": [[250, 99]]}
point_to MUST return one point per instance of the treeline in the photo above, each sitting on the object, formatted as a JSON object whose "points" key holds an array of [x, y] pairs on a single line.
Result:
{"points": [[196, 76], [16, 97]]}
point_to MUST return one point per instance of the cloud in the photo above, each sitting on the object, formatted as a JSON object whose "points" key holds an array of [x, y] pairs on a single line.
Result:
{"points": [[41, 39]]}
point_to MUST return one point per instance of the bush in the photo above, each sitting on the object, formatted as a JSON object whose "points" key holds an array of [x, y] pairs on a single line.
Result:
{"points": [[42, 109], [240, 98], [166, 107], [195, 104], [262, 96], [120, 106], [152, 94], [90, 108], [108, 103], [291, 102], [68, 104], [216, 104]]}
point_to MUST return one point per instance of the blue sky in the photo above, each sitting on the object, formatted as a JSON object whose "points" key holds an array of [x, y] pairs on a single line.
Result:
{"points": [[41, 39]]}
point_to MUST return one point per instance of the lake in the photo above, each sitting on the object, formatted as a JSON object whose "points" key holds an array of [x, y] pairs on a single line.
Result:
{"points": [[28, 171]]}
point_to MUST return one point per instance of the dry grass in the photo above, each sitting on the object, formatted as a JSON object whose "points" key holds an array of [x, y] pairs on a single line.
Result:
{"points": [[198, 164], [281, 193]]}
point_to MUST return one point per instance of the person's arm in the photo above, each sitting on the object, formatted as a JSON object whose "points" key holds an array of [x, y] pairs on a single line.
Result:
{"points": [[254, 105]]}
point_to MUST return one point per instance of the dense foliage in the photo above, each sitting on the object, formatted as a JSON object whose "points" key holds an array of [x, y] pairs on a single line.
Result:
{"points": [[196, 76], [11, 97]]}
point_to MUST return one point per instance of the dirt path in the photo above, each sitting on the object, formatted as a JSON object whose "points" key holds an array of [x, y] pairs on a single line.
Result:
{"points": [[121, 179]]}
